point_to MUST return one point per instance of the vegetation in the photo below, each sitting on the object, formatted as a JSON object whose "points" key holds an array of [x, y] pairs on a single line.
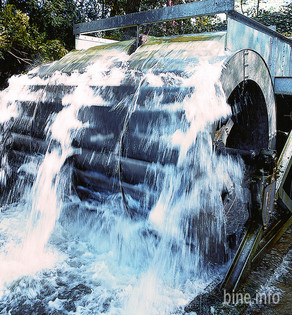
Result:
{"points": [[281, 19], [36, 31], [22, 45]]}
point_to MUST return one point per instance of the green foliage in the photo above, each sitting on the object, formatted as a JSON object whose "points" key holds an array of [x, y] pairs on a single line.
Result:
{"points": [[21, 44], [13, 29], [51, 50], [281, 19], [54, 17], [34, 31], [89, 10], [178, 27]]}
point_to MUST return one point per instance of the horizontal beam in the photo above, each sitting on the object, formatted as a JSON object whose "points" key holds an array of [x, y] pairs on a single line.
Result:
{"points": [[182, 11]]}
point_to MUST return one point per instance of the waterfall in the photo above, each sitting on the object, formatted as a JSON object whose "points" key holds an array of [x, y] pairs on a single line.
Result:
{"points": [[60, 253]]}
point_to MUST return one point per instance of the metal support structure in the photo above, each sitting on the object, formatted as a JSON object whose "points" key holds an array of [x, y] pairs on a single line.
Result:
{"points": [[183, 11], [258, 26], [243, 258], [177, 12], [284, 168], [273, 47], [283, 85], [137, 36], [273, 53]]}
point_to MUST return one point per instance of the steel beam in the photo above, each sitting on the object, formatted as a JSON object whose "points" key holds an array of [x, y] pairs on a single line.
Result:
{"points": [[284, 169], [283, 85], [183, 11]]}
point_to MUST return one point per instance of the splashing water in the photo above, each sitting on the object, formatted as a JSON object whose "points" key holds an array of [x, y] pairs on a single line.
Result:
{"points": [[90, 258]]}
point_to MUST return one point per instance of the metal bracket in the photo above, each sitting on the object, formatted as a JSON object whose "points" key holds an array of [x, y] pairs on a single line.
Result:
{"points": [[222, 134], [245, 65]]}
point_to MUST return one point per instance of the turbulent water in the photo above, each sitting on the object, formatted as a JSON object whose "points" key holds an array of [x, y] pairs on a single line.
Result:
{"points": [[59, 254]]}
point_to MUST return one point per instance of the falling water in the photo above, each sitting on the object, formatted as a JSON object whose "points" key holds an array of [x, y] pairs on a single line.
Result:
{"points": [[61, 254]]}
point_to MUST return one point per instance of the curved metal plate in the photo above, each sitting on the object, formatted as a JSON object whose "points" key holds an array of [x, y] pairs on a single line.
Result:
{"points": [[249, 65]]}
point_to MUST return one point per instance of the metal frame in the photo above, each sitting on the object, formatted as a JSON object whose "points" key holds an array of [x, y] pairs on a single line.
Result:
{"points": [[182, 11], [257, 26], [274, 48], [276, 61], [283, 85], [177, 12]]}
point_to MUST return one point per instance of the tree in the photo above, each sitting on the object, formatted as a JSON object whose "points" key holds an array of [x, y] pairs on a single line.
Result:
{"points": [[282, 19], [54, 18], [132, 6], [22, 45], [258, 7], [89, 10], [39, 30]]}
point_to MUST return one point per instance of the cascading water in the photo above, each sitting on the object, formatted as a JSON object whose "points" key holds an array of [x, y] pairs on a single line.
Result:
{"points": [[90, 257]]}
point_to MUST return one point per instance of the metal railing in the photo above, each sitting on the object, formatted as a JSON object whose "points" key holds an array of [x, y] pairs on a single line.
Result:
{"points": [[177, 12]]}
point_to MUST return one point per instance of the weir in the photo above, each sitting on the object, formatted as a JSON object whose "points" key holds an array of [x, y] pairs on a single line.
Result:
{"points": [[162, 158]]}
